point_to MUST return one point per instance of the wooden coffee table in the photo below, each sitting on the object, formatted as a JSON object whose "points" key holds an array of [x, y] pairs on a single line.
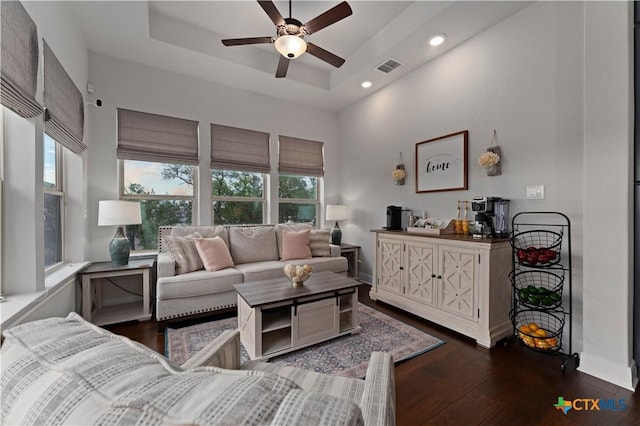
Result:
{"points": [[275, 318]]}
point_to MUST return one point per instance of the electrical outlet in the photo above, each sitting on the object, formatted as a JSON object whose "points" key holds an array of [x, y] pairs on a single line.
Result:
{"points": [[535, 192]]}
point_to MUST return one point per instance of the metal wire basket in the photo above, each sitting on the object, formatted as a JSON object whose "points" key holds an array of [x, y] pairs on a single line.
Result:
{"points": [[539, 330], [538, 248], [538, 288]]}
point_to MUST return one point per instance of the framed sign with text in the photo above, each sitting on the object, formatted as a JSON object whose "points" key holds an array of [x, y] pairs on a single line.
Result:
{"points": [[441, 163]]}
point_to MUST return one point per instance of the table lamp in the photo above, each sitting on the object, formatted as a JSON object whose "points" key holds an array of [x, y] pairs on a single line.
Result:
{"points": [[119, 213], [337, 212]]}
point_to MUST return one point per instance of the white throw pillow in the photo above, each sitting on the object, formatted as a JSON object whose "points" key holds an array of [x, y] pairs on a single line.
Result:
{"points": [[319, 242], [184, 252]]}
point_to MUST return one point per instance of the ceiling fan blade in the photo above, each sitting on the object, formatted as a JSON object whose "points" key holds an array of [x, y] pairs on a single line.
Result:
{"points": [[325, 55], [248, 40], [272, 11], [329, 17], [283, 66]]}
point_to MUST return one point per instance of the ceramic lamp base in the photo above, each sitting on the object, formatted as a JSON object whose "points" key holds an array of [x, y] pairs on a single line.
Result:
{"points": [[336, 235], [119, 248]]}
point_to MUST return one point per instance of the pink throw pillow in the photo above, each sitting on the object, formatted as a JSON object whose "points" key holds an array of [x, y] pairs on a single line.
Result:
{"points": [[214, 253], [295, 245]]}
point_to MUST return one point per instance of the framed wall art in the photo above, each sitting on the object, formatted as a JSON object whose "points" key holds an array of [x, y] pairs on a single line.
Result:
{"points": [[441, 163]]}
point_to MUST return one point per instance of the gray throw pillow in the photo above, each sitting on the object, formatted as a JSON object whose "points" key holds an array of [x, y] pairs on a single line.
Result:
{"points": [[184, 252], [319, 242], [253, 244]]}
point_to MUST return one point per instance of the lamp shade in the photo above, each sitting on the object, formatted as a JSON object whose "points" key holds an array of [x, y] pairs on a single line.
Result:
{"points": [[117, 213], [337, 212], [290, 46]]}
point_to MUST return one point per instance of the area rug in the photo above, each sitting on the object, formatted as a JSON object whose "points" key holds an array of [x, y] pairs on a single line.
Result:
{"points": [[345, 356]]}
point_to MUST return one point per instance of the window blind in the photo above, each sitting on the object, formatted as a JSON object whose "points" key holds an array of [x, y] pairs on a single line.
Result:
{"points": [[19, 59], [64, 114], [239, 149], [300, 157], [159, 138]]}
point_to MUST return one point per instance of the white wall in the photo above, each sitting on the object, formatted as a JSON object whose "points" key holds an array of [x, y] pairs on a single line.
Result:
{"points": [[608, 196], [127, 85], [561, 122]]}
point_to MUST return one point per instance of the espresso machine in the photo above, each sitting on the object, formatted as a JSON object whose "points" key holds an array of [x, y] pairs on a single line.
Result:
{"points": [[493, 213]]}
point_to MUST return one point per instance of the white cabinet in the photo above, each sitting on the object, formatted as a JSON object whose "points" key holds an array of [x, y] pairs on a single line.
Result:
{"points": [[455, 281]]}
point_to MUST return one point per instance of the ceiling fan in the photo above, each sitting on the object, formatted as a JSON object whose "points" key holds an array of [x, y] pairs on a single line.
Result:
{"points": [[290, 32]]}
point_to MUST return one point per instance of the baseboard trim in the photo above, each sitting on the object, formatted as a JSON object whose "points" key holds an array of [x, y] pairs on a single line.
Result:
{"points": [[621, 375]]}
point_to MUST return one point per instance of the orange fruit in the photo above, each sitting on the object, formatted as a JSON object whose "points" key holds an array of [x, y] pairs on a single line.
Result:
{"points": [[525, 329], [542, 344], [553, 342], [533, 326], [540, 333]]}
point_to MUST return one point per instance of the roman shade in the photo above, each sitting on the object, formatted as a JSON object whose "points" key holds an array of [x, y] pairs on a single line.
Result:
{"points": [[300, 157], [239, 149], [159, 138], [19, 58], [64, 106]]}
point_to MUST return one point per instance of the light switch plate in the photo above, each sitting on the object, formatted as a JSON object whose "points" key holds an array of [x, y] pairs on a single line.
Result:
{"points": [[535, 192]]}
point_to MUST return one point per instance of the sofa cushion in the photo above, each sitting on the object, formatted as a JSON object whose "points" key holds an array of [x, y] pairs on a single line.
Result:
{"points": [[198, 283], [319, 242], [253, 244], [184, 252], [279, 228], [207, 231], [214, 253], [295, 245], [258, 271], [333, 264]]}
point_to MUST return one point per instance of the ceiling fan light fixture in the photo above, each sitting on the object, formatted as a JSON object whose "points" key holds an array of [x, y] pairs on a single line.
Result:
{"points": [[290, 46]]}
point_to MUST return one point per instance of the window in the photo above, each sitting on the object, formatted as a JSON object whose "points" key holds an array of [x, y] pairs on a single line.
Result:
{"points": [[157, 157], [301, 164], [238, 197], [166, 194], [298, 199], [239, 162], [53, 203]]}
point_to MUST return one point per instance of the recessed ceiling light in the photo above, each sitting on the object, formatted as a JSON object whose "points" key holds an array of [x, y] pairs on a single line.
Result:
{"points": [[366, 84], [437, 40]]}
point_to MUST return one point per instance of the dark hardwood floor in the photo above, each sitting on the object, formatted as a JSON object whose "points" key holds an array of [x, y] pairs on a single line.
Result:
{"points": [[460, 383]]}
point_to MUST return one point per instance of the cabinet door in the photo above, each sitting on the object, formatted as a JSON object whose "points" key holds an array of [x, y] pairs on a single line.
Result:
{"points": [[315, 322], [390, 265], [420, 261], [457, 285]]}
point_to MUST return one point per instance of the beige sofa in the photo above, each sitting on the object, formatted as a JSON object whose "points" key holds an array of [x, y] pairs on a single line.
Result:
{"points": [[68, 371], [256, 253]]}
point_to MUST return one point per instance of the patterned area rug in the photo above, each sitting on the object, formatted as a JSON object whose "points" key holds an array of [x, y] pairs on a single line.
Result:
{"points": [[346, 355]]}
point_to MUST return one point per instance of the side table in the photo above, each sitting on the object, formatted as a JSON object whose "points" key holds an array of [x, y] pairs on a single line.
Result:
{"points": [[117, 313], [352, 253]]}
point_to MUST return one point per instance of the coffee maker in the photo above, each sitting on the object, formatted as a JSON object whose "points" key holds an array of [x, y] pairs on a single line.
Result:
{"points": [[394, 218], [493, 213]]}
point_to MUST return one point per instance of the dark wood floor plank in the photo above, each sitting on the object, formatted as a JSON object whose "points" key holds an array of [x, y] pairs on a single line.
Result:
{"points": [[460, 383]]}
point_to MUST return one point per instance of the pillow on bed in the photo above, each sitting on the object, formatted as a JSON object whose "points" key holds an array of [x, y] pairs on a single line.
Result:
{"points": [[214, 253]]}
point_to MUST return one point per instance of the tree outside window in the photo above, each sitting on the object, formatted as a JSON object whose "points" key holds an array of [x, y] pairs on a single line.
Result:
{"points": [[166, 195], [298, 199], [238, 197], [53, 202]]}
